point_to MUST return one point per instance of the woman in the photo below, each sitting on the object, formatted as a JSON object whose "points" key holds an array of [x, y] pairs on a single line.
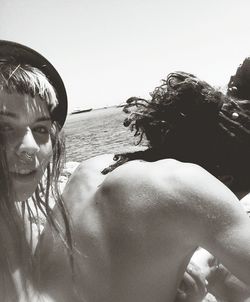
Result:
{"points": [[33, 108]]}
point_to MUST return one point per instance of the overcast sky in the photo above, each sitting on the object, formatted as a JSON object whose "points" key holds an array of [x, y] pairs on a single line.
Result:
{"points": [[109, 50]]}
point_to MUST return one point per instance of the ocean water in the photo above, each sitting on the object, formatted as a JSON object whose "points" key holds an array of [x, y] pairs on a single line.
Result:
{"points": [[97, 132]]}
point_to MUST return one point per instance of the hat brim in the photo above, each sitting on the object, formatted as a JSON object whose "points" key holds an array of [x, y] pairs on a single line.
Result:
{"points": [[25, 55]]}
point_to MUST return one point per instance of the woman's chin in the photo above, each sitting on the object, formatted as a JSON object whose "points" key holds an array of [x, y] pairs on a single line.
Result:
{"points": [[24, 186]]}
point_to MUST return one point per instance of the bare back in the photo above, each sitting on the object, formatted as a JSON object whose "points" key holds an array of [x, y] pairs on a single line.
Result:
{"points": [[134, 231]]}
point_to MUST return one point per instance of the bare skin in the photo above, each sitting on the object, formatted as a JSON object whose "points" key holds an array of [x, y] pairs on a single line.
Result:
{"points": [[208, 275], [136, 229], [222, 284], [193, 287]]}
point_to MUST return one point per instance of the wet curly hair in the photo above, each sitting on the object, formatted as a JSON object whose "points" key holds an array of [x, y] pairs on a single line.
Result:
{"points": [[189, 120]]}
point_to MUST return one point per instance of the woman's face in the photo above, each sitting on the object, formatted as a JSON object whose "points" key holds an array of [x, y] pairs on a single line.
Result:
{"points": [[25, 126]]}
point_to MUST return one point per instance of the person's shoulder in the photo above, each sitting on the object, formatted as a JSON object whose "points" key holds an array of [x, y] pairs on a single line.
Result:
{"points": [[159, 173], [190, 180], [87, 176], [167, 180], [178, 195], [91, 166], [144, 178], [96, 163]]}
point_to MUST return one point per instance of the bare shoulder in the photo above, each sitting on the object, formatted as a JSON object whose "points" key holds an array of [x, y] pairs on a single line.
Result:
{"points": [[94, 164], [187, 191], [145, 182], [86, 178], [168, 176]]}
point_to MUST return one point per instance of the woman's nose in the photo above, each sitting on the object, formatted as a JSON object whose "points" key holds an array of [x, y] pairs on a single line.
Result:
{"points": [[28, 144]]}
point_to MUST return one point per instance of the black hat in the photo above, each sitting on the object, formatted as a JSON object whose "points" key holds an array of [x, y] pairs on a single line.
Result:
{"points": [[25, 55]]}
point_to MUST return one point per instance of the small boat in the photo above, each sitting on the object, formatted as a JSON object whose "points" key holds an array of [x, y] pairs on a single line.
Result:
{"points": [[76, 111], [121, 105]]}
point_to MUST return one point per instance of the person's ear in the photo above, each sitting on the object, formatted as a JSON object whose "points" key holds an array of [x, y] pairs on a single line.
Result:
{"points": [[226, 179]]}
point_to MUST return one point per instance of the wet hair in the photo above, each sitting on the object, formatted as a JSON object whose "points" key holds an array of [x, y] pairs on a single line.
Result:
{"points": [[25, 79], [189, 120]]}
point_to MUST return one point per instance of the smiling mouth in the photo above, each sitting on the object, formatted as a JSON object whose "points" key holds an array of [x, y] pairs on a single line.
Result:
{"points": [[23, 173]]}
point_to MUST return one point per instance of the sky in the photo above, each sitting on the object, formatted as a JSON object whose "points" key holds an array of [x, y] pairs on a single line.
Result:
{"points": [[109, 50]]}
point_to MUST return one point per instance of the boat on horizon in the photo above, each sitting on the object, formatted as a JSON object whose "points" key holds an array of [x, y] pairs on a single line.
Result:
{"points": [[76, 111], [121, 105]]}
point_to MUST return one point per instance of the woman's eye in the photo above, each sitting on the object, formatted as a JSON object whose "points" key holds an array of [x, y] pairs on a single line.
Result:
{"points": [[41, 130]]}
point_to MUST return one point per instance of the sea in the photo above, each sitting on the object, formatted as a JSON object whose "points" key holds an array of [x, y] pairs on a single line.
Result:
{"points": [[99, 131]]}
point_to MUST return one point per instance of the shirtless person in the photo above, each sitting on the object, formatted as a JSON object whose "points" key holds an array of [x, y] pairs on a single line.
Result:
{"points": [[135, 230]]}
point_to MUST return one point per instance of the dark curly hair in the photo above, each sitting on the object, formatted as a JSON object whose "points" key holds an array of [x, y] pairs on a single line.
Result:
{"points": [[238, 85], [189, 120]]}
